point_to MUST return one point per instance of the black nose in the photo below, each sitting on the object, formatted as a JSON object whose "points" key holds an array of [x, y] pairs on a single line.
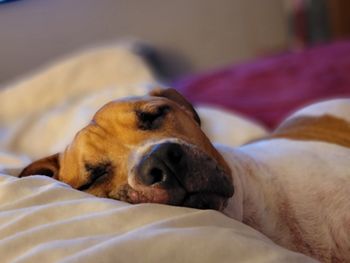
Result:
{"points": [[161, 165]]}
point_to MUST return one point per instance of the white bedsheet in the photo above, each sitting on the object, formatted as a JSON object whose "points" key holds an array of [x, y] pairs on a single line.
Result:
{"points": [[42, 220]]}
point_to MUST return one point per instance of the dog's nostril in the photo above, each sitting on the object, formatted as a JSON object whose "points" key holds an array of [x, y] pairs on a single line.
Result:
{"points": [[157, 175], [161, 165]]}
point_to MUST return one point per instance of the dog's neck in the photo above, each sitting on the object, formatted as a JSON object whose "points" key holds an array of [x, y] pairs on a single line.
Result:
{"points": [[259, 199], [248, 203], [283, 195]]}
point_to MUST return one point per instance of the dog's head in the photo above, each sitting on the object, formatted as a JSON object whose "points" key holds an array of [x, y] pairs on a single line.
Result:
{"points": [[144, 149]]}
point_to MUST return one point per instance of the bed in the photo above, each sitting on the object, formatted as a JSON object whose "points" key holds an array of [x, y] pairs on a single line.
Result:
{"points": [[45, 220]]}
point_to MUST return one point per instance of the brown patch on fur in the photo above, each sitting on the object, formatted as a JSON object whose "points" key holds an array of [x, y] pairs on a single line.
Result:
{"points": [[251, 217], [290, 221], [335, 254], [336, 259], [326, 128], [298, 236]]}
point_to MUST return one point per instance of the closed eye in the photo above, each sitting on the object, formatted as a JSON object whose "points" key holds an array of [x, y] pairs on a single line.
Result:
{"points": [[151, 120], [95, 173]]}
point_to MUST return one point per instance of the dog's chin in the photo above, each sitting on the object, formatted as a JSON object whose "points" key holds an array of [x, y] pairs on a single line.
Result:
{"points": [[205, 201], [206, 183], [179, 197]]}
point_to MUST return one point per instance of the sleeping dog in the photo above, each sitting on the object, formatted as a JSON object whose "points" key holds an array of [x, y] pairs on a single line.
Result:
{"points": [[293, 186]]}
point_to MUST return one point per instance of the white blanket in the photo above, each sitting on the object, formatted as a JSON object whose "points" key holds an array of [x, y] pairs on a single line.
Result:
{"points": [[42, 220]]}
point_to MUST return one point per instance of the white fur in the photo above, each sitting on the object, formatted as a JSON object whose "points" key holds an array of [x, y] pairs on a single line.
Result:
{"points": [[339, 108], [293, 190]]}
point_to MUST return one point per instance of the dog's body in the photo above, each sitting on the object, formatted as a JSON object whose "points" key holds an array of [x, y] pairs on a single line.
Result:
{"points": [[293, 186]]}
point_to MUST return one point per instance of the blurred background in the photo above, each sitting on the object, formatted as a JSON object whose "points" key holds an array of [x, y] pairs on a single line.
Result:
{"points": [[261, 59], [190, 35]]}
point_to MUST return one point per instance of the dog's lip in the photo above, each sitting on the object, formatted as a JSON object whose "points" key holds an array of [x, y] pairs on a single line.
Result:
{"points": [[207, 193]]}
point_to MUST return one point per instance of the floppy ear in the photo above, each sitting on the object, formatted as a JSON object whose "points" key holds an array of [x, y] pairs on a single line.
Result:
{"points": [[48, 166], [175, 96]]}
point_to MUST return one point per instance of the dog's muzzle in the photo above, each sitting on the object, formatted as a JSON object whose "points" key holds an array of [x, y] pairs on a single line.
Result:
{"points": [[185, 174]]}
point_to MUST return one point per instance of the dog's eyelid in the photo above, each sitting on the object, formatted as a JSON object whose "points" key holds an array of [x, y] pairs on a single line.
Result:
{"points": [[149, 119], [95, 172], [164, 108], [158, 110]]}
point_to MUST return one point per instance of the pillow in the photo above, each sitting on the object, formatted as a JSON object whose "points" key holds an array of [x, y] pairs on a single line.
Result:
{"points": [[36, 109], [72, 77]]}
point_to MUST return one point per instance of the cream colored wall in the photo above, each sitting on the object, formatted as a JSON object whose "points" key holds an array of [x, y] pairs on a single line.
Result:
{"points": [[204, 33]]}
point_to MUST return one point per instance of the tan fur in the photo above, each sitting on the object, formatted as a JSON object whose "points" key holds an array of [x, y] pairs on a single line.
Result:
{"points": [[325, 128], [116, 137]]}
